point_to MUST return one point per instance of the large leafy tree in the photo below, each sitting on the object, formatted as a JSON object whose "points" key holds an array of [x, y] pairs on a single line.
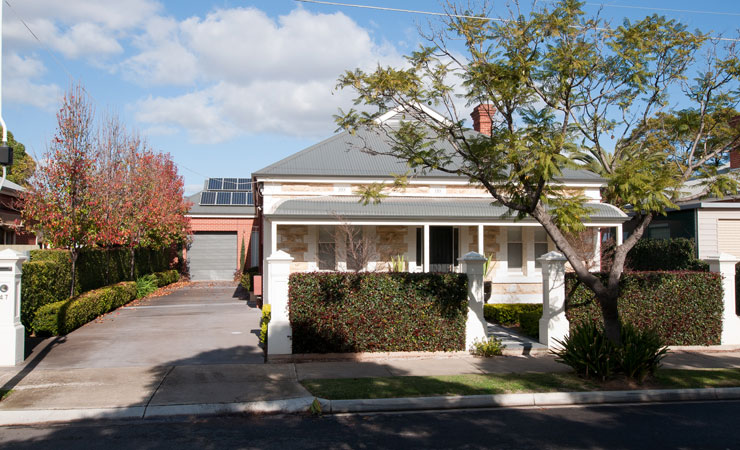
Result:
{"points": [[642, 104], [23, 164], [61, 200]]}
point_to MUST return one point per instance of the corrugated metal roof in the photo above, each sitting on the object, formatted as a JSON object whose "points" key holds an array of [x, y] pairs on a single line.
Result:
{"points": [[349, 207], [217, 210], [342, 155]]}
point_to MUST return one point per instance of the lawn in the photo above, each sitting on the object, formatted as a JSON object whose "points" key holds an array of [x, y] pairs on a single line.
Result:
{"points": [[486, 384]]}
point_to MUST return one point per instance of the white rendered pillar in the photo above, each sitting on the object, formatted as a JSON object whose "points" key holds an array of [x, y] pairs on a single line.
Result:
{"points": [[426, 248], [475, 327], [619, 238], [12, 333], [553, 324], [278, 331], [725, 265]]}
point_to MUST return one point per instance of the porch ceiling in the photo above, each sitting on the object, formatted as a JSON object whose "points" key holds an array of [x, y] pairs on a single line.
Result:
{"points": [[349, 207]]}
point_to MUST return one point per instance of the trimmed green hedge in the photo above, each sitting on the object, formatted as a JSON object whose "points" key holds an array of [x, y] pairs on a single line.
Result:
{"points": [[508, 313], [530, 323], [47, 277], [665, 254], [167, 277], [377, 312], [67, 315], [685, 308]]}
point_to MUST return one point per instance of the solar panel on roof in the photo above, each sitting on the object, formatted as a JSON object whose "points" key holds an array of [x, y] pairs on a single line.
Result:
{"points": [[215, 183], [244, 184], [208, 198], [229, 184], [223, 198], [250, 200], [239, 198]]}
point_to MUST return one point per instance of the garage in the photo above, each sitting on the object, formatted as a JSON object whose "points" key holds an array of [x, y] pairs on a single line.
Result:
{"points": [[213, 255]]}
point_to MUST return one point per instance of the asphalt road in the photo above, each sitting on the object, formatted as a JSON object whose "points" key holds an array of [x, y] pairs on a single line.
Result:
{"points": [[711, 425]]}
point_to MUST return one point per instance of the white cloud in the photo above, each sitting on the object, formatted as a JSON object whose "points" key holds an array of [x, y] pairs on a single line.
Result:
{"points": [[20, 85], [250, 73]]}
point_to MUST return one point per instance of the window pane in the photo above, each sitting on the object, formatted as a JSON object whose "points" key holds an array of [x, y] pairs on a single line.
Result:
{"points": [[515, 234], [540, 248], [514, 255], [540, 235], [326, 256], [326, 234]]}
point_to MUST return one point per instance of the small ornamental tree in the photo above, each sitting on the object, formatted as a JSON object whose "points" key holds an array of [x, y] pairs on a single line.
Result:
{"points": [[61, 200], [638, 103]]}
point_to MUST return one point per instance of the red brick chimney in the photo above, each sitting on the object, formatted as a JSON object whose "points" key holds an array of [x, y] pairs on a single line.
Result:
{"points": [[735, 152], [483, 118]]}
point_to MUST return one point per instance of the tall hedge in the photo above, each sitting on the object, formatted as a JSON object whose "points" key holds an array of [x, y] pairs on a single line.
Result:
{"points": [[685, 308], [665, 254], [377, 312], [46, 278]]}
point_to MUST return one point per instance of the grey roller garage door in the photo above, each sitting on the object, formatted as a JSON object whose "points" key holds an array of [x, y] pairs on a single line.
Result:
{"points": [[212, 256]]}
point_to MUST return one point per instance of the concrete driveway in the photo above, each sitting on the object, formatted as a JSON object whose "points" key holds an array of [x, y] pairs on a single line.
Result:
{"points": [[204, 323]]}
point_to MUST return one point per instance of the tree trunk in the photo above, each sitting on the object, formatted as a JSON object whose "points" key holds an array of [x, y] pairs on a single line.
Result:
{"points": [[610, 314], [133, 262], [73, 257]]}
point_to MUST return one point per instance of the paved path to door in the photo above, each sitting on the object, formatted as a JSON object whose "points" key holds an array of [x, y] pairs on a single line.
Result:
{"points": [[204, 323]]}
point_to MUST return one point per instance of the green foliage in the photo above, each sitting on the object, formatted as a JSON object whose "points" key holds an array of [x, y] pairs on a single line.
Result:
{"points": [[684, 308], [588, 351], [488, 347], [246, 281], [65, 316], [146, 285], [592, 355], [640, 352], [376, 312], [166, 277], [530, 323], [264, 322], [23, 165], [43, 282], [398, 263], [665, 254], [508, 313], [251, 272], [47, 277], [242, 254]]}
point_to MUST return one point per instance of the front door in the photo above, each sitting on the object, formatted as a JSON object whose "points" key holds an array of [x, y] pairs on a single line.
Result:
{"points": [[442, 249]]}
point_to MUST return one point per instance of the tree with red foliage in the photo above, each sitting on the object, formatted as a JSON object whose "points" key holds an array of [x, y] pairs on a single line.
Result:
{"points": [[62, 200]]}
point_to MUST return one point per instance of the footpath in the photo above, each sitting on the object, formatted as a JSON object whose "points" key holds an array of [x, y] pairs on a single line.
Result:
{"points": [[143, 392]]}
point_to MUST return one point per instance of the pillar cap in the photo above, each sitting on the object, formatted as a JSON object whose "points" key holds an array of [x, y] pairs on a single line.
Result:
{"points": [[473, 256], [552, 256], [722, 257], [280, 255], [11, 255]]}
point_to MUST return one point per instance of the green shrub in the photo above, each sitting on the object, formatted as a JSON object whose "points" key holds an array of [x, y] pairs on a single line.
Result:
{"points": [[508, 313], [67, 315], [43, 282], [251, 272], [665, 254], [246, 281], [588, 351], [374, 312], [530, 323], [488, 347], [167, 277], [146, 285], [640, 352], [264, 321], [684, 308]]}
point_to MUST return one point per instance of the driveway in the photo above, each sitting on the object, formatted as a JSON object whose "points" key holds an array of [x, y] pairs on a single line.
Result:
{"points": [[203, 323]]}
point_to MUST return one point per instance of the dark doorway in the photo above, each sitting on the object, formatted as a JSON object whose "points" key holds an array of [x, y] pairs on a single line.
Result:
{"points": [[443, 243]]}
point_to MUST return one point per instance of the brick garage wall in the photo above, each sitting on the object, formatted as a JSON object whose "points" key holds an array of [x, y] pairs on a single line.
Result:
{"points": [[242, 226]]}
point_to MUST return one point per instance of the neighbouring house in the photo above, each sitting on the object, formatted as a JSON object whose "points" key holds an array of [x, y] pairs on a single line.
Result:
{"points": [[12, 232], [303, 199], [713, 223], [222, 220]]}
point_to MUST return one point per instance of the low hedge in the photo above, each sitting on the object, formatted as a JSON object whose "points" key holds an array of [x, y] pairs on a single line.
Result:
{"points": [[47, 276], [167, 277], [530, 323], [685, 308], [508, 313], [665, 254], [67, 315], [377, 312], [264, 322]]}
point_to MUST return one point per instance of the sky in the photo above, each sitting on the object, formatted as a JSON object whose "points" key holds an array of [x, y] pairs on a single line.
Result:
{"points": [[228, 87]]}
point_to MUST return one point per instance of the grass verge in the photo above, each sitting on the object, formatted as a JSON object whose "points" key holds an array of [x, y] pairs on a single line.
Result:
{"points": [[487, 384]]}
